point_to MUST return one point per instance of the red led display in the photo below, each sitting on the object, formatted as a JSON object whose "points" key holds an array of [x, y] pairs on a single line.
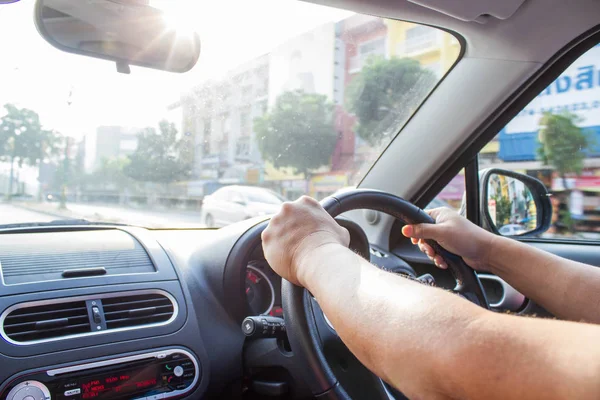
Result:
{"points": [[120, 385]]}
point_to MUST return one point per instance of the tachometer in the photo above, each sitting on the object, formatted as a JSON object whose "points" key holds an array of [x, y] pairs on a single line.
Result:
{"points": [[259, 291]]}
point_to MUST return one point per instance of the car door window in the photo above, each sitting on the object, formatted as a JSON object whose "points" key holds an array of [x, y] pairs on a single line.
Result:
{"points": [[221, 195], [236, 197], [556, 138], [452, 195]]}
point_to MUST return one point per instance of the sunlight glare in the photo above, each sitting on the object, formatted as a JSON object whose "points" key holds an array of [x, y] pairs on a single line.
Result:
{"points": [[180, 15]]}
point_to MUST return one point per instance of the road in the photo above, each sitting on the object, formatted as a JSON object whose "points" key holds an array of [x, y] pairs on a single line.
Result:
{"points": [[131, 216], [44, 212], [10, 214]]}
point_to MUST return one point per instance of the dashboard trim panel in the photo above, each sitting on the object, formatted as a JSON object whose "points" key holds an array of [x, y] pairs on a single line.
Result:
{"points": [[84, 298]]}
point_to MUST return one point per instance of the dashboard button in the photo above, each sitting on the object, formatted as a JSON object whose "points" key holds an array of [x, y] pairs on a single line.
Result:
{"points": [[178, 371], [180, 386], [72, 392]]}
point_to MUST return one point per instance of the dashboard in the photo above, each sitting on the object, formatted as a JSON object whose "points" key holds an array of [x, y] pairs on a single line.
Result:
{"points": [[129, 313]]}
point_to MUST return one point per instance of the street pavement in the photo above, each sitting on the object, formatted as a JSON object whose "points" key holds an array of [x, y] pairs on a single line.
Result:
{"points": [[172, 218], [44, 212], [10, 214]]}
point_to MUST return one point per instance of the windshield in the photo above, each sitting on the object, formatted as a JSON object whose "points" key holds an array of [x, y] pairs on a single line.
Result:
{"points": [[287, 96]]}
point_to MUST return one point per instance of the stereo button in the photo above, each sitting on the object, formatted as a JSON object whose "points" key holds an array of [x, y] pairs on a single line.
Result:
{"points": [[29, 390], [178, 371], [72, 392]]}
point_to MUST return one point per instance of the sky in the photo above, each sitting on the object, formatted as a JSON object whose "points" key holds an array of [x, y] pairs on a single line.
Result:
{"points": [[75, 94]]}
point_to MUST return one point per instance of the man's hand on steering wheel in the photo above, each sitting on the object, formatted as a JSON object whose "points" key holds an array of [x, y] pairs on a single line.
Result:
{"points": [[454, 233], [299, 228]]}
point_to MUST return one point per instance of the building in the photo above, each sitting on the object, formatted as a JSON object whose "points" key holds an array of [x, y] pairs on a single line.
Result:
{"points": [[435, 49], [305, 62], [577, 90], [358, 38], [219, 116], [108, 142]]}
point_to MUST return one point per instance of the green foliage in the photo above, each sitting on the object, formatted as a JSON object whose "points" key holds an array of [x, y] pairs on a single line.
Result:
{"points": [[298, 132], [383, 95], [158, 156], [566, 220], [111, 172], [22, 138], [562, 143], [503, 208]]}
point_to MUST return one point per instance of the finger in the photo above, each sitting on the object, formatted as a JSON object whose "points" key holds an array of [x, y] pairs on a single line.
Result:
{"points": [[427, 249], [435, 212], [439, 261], [422, 231], [414, 240]]}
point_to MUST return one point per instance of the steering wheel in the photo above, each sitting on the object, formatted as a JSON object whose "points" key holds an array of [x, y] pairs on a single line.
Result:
{"points": [[334, 373]]}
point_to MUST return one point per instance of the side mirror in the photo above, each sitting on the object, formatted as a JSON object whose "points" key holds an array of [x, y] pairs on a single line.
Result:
{"points": [[514, 204]]}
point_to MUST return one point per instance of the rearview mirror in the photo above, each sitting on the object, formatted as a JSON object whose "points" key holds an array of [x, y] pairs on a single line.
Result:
{"points": [[514, 204], [129, 32]]}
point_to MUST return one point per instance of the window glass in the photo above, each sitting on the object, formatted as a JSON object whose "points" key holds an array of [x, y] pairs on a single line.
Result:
{"points": [[298, 99], [452, 196], [556, 138]]}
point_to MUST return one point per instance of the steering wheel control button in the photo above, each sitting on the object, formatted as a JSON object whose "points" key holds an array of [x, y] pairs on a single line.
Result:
{"points": [[263, 326], [178, 371], [248, 326]]}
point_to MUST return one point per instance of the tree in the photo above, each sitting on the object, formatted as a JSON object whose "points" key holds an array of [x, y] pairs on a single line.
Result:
{"points": [[22, 139], [158, 156], [383, 95], [111, 172], [562, 143], [298, 132], [503, 208]]}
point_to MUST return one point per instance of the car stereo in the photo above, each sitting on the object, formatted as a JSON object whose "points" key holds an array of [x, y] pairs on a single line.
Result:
{"points": [[157, 375]]}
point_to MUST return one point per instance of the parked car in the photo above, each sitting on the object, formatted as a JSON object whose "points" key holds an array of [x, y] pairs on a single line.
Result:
{"points": [[236, 203], [512, 230]]}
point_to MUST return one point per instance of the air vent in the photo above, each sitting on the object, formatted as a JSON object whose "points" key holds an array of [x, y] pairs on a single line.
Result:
{"points": [[42, 256], [39, 323], [57, 319], [135, 310]]}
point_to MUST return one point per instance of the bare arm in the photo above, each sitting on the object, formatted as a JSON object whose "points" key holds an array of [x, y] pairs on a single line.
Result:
{"points": [[432, 344], [567, 289], [425, 341]]}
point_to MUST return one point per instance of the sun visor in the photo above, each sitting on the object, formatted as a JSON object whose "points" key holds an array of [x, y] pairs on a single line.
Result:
{"points": [[473, 10]]}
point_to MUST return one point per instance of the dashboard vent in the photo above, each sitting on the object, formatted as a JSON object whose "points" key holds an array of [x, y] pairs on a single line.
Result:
{"points": [[42, 256], [134, 310], [38, 323]]}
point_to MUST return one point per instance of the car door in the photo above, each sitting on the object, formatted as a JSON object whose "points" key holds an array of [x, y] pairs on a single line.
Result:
{"points": [[236, 206], [219, 205], [556, 139]]}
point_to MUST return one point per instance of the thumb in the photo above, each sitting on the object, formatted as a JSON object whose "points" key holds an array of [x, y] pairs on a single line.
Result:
{"points": [[422, 231]]}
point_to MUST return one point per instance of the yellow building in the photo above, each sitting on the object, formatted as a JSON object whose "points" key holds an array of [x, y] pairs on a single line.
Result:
{"points": [[433, 48]]}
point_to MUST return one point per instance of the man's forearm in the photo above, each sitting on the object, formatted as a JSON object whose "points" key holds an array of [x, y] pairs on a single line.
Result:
{"points": [[568, 289], [413, 328], [432, 344]]}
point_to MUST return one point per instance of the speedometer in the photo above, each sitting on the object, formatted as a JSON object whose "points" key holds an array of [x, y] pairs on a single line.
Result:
{"points": [[259, 291]]}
